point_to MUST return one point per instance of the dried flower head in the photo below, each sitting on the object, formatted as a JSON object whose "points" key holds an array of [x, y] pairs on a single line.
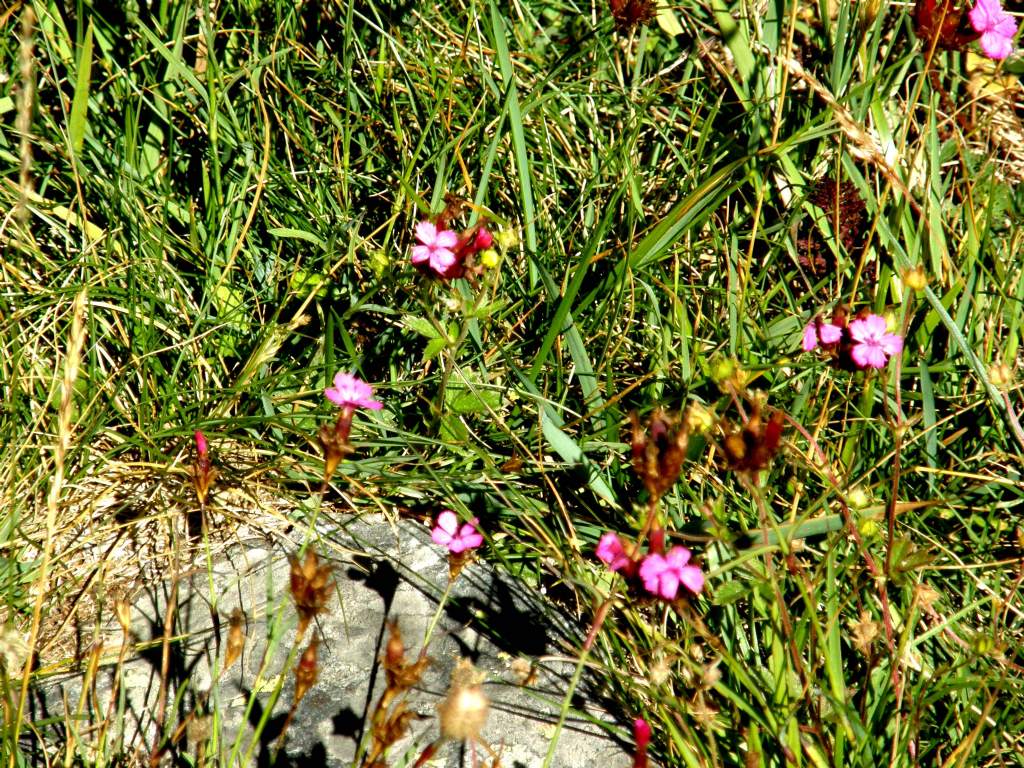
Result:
{"points": [[845, 214], [236, 638], [307, 670], [401, 674], [311, 587], [750, 448], [942, 23], [629, 14], [658, 452], [464, 710]]}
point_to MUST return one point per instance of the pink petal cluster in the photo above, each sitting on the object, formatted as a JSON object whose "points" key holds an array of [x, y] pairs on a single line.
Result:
{"points": [[662, 574], [817, 331], [448, 533], [435, 249], [611, 552], [996, 27], [873, 345], [351, 392]]}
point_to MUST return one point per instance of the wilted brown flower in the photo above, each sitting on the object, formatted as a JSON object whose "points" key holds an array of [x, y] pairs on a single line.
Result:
{"points": [[306, 671], [334, 441], [629, 14], [400, 674], [311, 587], [658, 452], [236, 638], [750, 448], [944, 23]]}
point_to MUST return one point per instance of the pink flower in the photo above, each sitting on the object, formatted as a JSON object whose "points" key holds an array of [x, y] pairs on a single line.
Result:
{"points": [[202, 448], [996, 26], [483, 239], [351, 392], [873, 344], [611, 552], [642, 737], [641, 733], [662, 575], [457, 538], [816, 331], [435, 249]]}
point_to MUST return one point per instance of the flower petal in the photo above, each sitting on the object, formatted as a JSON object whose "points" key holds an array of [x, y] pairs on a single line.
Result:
{"points": [[426, 232], [692, 578], [810, 340]]}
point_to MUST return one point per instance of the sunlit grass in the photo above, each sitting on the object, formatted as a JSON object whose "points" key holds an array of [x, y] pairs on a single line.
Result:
{"points": [[224, 201]]}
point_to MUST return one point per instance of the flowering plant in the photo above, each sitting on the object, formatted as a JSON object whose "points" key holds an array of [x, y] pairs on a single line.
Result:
{"points": [[348, 393]]}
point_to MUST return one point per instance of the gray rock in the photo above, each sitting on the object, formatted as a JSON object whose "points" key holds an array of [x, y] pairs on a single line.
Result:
{"points": [[382, 573]]}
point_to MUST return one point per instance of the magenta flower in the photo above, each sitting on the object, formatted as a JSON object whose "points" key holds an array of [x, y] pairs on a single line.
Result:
{"points": [[351, 392], [642, 737], [435, 248], [611, 552], [202, 448], [996, 27], [448, 533], [872, 343], [662, 575], [816, 331], [484, 239]]}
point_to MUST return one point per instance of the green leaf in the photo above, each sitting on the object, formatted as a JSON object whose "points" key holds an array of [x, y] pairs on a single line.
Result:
{"points": [[571, 453], [297, 234], [422, 326], [434, 347], [478, 400], [80, 104]]}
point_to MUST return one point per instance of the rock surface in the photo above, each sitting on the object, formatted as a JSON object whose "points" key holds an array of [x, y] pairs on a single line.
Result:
{"points": [[383, 573]]}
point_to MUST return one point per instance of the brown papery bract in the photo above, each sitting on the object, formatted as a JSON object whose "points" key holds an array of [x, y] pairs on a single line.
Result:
{"points": [[311, 587]]}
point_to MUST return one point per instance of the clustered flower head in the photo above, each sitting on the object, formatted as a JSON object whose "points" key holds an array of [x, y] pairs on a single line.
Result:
{"points": [[660, 573], [996, 27], [447, 254], [864, 342]]}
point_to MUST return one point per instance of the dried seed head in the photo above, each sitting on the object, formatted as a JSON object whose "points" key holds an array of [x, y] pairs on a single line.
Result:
{"points": [[307, 670], [750, 448], [400, 674], [311, 587], [464, 710], [658, 451], [236, 638]]}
